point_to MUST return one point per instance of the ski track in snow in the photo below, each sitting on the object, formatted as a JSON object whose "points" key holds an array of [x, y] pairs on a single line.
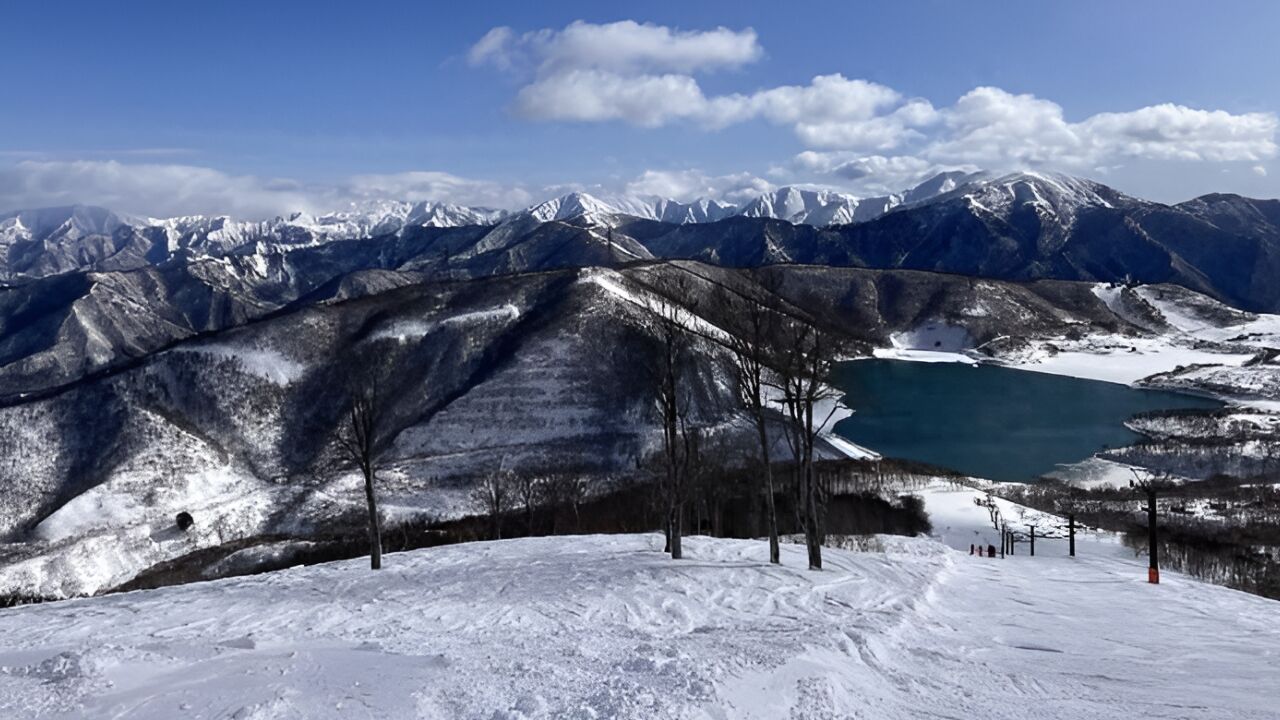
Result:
{"points": [[608, 626]]}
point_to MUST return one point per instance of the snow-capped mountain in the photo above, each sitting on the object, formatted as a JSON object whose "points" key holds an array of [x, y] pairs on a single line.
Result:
{"points": [[48, 241], [1054, 194], [796, 205], [371, 219], [1032, 225], [940, 184], [1025, 225], [813, 207], [85, 234], [61, 224], [648, 207]]}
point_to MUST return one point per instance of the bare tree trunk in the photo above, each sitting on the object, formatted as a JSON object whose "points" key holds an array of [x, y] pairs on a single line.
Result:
{"points": [[775, 552], [677, 550], [375, 525], [813, 531]]}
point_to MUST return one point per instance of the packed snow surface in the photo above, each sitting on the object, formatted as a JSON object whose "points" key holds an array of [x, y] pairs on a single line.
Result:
{"points": [[608, 626]]}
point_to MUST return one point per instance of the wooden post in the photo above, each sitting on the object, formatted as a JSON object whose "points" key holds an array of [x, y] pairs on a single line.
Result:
{"points": [[1071, 533], [1033, 540], [1004, 541]]}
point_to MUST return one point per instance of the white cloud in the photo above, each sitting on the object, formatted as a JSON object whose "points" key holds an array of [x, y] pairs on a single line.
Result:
{"points": [[827, 98], [644, 75], [1175, 132], [625, 47], [496, 48], [594, 95], [170, 190], [148, 188], [175, 190], [686, 185], [865, 175], [1259, 171], [417, 186], [994, 128]]}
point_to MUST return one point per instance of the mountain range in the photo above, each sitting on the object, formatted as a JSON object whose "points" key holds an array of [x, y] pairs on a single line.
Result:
{"points": [[47, 241], [1018, 226]]}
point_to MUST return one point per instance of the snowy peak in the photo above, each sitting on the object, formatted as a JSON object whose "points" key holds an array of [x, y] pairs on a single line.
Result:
{"points": [[1048, 194], [568, 207], [800, 206], [601, 210], [69, 223], [940, 184]]}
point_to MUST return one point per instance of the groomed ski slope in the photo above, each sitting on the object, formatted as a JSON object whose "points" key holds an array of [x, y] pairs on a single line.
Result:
{"points": [[607, 626]]}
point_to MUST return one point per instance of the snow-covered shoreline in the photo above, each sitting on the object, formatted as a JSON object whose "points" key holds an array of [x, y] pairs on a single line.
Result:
{"points": [[1123, 368]]}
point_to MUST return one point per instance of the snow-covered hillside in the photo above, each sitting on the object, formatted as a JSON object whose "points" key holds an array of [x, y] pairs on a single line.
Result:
{"points": [[608, 626]]}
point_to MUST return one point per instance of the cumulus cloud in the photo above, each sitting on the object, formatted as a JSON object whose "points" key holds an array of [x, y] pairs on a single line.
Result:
{"points": [[594, 95], [691, 184], [1175, 132], [996, 128], [625, 47], [171, 190], [645, 75]]}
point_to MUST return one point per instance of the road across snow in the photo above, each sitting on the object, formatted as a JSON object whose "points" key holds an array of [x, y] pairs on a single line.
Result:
{"points": [[607, 626]]}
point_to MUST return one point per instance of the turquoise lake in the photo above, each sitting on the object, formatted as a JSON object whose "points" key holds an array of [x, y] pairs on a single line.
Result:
{"points": [[990, 421]]}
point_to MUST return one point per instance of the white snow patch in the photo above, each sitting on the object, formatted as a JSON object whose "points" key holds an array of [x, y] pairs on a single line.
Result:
{"points": [[265, 363], [1119, 359], [928, 356], [933, 337], [413, 329]]}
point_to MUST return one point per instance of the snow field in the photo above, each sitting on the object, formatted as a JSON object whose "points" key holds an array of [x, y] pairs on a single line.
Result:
{"points": [[608, 626]]}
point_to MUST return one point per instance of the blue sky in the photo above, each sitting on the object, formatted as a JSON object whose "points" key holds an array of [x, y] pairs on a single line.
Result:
{"points": [[253, 108]]}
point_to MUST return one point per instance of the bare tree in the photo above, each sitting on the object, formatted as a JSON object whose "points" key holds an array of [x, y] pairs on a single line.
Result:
{"points": [[564, 490], [751, 333], [363, 437], [807, 359], [669, 366], [528, 493], [494, 496], [712, 485]]}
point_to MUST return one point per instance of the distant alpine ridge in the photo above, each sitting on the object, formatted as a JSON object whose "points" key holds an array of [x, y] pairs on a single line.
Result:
{"points": [[59, 239], [1020, 226]]}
